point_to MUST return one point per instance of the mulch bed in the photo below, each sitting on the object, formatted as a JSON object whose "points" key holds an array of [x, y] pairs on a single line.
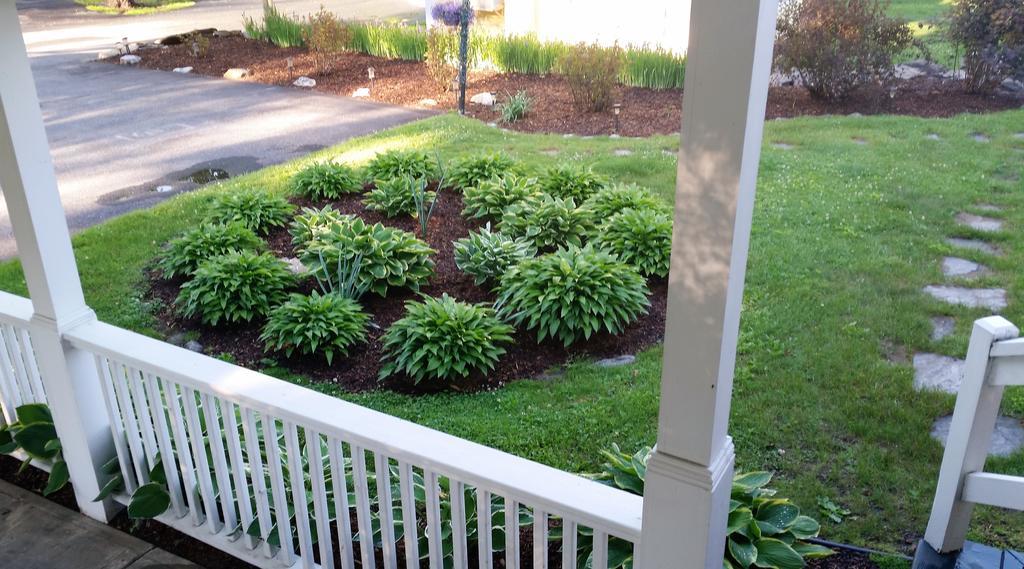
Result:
{"points": [[644, 112], [525, 358]]}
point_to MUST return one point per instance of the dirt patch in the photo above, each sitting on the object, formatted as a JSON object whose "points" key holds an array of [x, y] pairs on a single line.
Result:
{"points": [[644, 112]]}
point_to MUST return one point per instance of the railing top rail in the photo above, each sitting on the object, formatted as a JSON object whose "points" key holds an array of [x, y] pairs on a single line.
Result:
{"points": [[1005, 348], [15, 309], [585, 501]]}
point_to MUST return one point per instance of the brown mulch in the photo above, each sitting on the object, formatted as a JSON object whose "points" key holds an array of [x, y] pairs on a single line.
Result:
{"points": [[644, 112], [525, 358]]}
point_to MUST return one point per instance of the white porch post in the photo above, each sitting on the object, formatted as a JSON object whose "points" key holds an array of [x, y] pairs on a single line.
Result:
{"points": [[29, 187], [689, 477]]}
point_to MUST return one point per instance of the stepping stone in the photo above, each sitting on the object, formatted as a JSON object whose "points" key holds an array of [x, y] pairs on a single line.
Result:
{"points": [[933, 136], [978, 137], [991, 298], [894, 353], [1007, 438], [1019, 136], [670, 153], [979, 223], [988, 207], [957, 267], [974, 245], [938, 373], [616, 361], [623, 152], [783, 146], [859, 141], [549, 152], [942, 327]]}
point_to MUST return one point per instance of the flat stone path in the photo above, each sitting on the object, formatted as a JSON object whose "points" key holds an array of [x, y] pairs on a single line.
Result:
{"points": [[962, 268], [36, 533], [979, 223], [942, 327], [938, 373], [974, 245], [1007, 438], [991, 298]]}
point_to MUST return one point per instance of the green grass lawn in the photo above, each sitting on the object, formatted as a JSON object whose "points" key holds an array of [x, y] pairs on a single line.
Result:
{"points": [[925, 17], [143, 6], [845, 235]]}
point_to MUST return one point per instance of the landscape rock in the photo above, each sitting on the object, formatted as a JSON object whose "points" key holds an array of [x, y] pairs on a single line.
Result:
{"points": [[171, 40], [130, 59], [361, 93], [1007, 438], [978, 222], [236, 73], [295, 266], [163, 189], [194, 346], [486, 99], [614, 136], [107, 54], [183, 70], [305, 82], [906, 72], [933, 136], [963, 268], [177, 339], [937, 372], [942, 327], [974, 245], [428, 102], [623, 152], [978, 137], [990, 298], [1011, 85], [616, 361]]}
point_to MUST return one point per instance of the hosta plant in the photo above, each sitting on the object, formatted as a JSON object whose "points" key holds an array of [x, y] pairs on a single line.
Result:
{"points": [[571, 182], [389, 257], [326, 181], [491, 197], [547, 222], [401, 164], [572, 294], [397, 196], [763, 531], [642, 238], [613, 199], [259, 211], [184, 253], [440, 340], [240, 286], [34, 434], [487, 255], [317, 324], [468, 172], [311, 223]]}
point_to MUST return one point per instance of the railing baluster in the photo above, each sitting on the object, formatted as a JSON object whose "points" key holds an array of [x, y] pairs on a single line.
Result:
{"points": [[163, 440], [138, 456], [227, 413], [362, 506], [484, 536], [220, 464], [435, 545], [259, 480], [568, 544], [600, 550], [138, 392], [385, 511], [116, 425], [284, 524], [320, 508], [181, 444], [341, 507], [33, 367], [14, 349], [409, 529], [299, 502], [13, 396], [195, 436], [540, 539], [458, 492], [511, 533]]}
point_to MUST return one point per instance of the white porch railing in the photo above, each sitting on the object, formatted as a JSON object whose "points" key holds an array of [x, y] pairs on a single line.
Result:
{"points": [[20, 382], [995, 360]]}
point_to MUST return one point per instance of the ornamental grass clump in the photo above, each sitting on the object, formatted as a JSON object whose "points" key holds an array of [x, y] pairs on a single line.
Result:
{"points": [[257, 210], [397, 196], [311, 223], [186, 252], [489, 199], [642, 238], [326, 181], [440, 340], [240, 286], [470, 172], [572, 294], [394, 164], [547, 222], [315, 325], [612, 199], [487, 256], [387, 257], [571, 182]]}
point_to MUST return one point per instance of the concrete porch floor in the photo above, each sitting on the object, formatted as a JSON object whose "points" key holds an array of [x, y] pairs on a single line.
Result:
{"points": [[38, 534]]}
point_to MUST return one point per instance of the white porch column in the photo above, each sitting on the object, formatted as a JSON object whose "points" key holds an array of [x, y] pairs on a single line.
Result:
{"points": [[29, 187], [689, 477]]}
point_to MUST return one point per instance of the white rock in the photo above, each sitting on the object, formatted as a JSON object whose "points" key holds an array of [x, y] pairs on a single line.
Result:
{"points": [[130, 60], [183, 70], [236, 73], [907, 72], [305, 82], [622, 152], [614, 136], [428, 102], [361, 93], [164, 189], [107, 54], [485, 99], [295, 266], [492, 124]]}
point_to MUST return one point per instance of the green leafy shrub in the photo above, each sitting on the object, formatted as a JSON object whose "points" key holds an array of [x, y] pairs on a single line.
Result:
{"points": [[259, 211], [572, 293], [470, 172], [312, 222], [396, 196], [991, 33], [642, 238], [326, 324], [388, 257], [612, 199], [237, 287], [488, 256], [327, 36], [393, 164], [571, 182], [515, 107], [441, 339], [547, 222], [326, 181], [591, 71], [186, 252], [36, 436], [763, 531], [491, 197]]}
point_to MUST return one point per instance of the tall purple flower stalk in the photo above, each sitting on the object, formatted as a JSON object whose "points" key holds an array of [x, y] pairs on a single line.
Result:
{"points": [[449, 13]]}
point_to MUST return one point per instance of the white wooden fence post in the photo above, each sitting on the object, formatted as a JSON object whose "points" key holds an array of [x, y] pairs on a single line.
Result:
{"points": [[29, 187], [689, 477], [970, 436]]}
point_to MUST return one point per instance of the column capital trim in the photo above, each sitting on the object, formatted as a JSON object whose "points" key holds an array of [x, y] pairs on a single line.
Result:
{"points": [[705, 477]]}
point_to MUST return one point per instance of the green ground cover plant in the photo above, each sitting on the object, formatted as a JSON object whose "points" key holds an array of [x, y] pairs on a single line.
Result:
{"points": [[236, 287], [327, 181]]}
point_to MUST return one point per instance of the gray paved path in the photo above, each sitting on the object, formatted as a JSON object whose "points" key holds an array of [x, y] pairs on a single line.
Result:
{"points": [[117, 132], [38, 534]]}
